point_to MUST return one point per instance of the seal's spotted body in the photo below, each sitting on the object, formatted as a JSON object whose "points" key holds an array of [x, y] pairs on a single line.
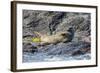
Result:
{"points": [[66, 36]]}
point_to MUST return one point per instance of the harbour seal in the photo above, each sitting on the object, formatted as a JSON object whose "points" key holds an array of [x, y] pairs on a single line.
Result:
{"points": [[65, 36]]}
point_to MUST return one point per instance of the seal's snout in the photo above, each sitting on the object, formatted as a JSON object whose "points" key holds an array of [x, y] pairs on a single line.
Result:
{"points": [[70, 29], [63, 34]]}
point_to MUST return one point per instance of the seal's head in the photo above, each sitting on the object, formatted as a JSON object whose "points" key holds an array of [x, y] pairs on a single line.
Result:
{"points": [[71, 29]]}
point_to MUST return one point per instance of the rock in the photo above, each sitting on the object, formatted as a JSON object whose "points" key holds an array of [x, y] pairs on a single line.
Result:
{"points": [[77, 53], [71, 48], [27, 47], [50, 22]]}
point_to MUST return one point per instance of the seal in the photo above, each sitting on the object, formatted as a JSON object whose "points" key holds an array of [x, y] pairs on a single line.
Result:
{"points": [[65, 36]]}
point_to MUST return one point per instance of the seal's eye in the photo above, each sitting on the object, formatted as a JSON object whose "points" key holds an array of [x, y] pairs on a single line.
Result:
{"points": [[63, 34]]}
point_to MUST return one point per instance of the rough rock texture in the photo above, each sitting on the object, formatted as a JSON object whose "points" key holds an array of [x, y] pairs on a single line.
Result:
{"points": [[71, 48], [50, 22]]}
